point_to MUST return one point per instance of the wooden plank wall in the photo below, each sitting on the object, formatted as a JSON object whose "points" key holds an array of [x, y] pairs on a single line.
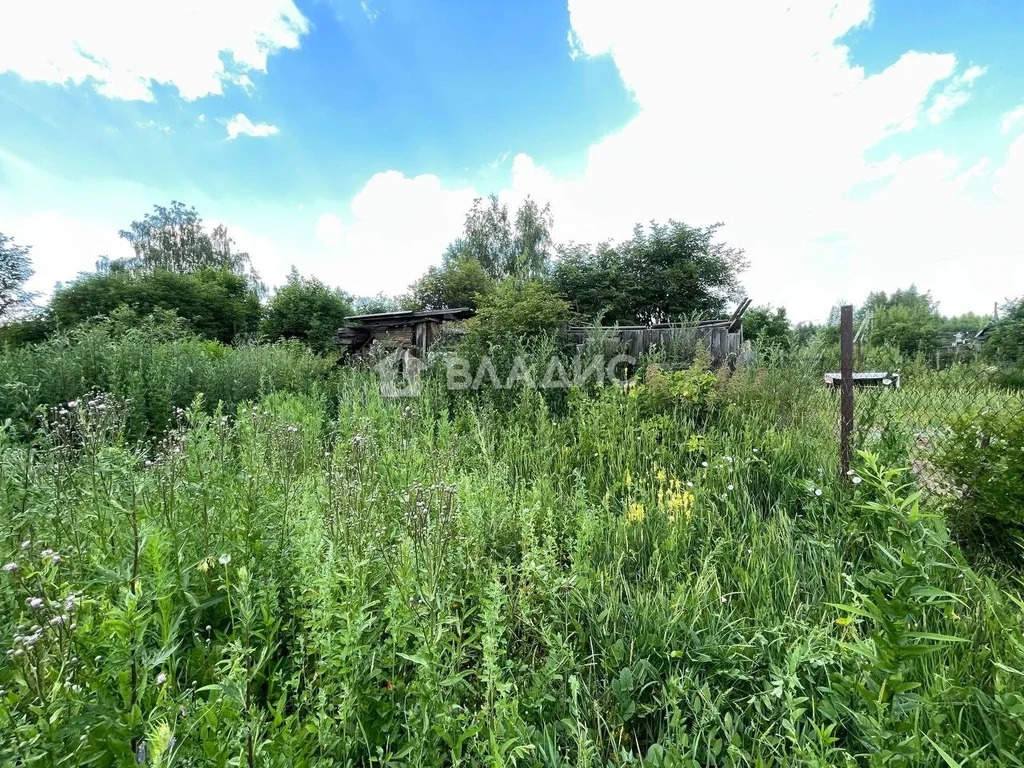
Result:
{"points": [[725, 347]]}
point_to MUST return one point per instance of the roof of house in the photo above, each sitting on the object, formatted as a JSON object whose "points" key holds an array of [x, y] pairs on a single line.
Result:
{"points": [[410, 316]]}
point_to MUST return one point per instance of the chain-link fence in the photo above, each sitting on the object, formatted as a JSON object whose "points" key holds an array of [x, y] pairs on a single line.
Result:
{"points": [[957, 423]]}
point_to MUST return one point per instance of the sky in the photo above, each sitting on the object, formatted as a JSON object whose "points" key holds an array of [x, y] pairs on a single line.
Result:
{"points": [[846, 145]]}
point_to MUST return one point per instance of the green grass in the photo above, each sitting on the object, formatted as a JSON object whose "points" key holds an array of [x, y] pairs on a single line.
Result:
{"points": [[306, 579]]}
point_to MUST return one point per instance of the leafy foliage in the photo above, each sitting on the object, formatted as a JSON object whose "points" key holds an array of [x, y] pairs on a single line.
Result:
{"points": [[1005, 343], [15, 270], [517, 308], [216, 303], [173, 239], [505, 246], [307, 309], [908, 320], [984, 461], [458, 282], [767, 327], [423, 582], [667, 272]]}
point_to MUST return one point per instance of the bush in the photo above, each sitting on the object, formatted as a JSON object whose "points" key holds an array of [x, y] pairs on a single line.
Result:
{"points": [[984, 461], [305, 308], [690, 389], [157, 366], [217, 304]]}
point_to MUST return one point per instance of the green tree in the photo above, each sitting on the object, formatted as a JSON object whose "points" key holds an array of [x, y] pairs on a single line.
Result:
{"points": [[458, 282], [907, 319], [666, 272], [768, 327], [15, 270], [216, 303], [173, 239], [516, 309], [504, 245], [1005, 342], [373, 305], [306, 308]]}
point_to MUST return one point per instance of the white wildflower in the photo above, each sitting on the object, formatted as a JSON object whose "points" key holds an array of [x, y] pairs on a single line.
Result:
{"points": [[26, 544], [857, 480], [730, 487], [817, 491], [35, 603], [10, 567], [161, 679], [224, 559]]}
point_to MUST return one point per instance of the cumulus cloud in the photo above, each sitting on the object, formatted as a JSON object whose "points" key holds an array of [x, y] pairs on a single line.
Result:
{"points": [[399, 226], [1012, 120], [241, 125], [756, 114], [124, 47], [330, 230]]}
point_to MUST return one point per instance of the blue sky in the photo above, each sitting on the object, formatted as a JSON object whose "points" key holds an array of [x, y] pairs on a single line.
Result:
{"points": [[847, 146]]}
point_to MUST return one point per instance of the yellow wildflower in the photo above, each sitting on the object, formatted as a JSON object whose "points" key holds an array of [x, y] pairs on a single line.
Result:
{"points": [[629, 479], [660, 474], [635, 513], [680, 502]]}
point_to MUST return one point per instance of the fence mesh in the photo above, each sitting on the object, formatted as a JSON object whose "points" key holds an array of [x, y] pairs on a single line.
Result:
{"points": [[957, 423]]}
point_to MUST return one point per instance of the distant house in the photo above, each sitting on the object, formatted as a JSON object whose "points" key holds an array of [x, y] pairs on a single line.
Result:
{"points": [[409, 330]]}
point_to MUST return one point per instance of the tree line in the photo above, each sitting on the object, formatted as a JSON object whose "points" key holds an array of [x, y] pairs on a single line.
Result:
{"points": [[505, 264]]}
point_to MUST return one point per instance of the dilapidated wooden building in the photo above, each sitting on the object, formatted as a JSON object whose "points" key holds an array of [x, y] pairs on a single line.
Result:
{"points": [[409, 330]]}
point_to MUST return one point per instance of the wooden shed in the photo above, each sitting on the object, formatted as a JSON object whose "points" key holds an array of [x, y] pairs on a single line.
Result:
{"points": [[412, 330]]}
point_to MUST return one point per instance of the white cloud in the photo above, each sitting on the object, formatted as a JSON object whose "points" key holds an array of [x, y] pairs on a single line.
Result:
{"points": [[124, 47], [765, 124], [330, 230], [1012, 119], [241, 125], [400, 225], [954, 95], [755, 114], [63, 246]]}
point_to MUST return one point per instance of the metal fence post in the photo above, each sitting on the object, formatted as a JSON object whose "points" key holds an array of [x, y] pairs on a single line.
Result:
{"points": [[846, 388]]}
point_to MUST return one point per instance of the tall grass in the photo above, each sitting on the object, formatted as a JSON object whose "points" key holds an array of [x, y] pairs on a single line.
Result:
{"points": [[155, 372], [442, 581]]}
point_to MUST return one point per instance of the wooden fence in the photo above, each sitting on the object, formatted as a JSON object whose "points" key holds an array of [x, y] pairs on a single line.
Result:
{"points": [[724, 346]]}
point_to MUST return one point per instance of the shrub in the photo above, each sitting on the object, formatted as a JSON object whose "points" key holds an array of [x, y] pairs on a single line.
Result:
{"points": [[984, 462]]}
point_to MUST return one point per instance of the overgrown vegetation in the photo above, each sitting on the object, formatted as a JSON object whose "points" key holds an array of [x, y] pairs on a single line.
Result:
{"points": [[220, 551], [307, 580]]}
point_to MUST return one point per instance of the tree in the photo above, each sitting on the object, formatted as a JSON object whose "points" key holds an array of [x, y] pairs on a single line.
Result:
{"points": [[667, 272], [503, 246], [767, 327], [907, 319], [308, 309], [216, 303], [374, 305], [459, 282], [1005, 343], [173, 239], [516, 309], [15, 270]]}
